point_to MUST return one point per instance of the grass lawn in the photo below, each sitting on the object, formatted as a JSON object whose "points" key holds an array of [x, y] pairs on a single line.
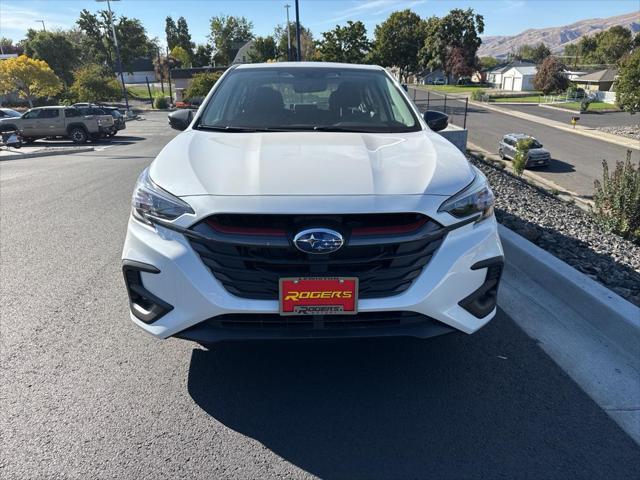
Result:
{"points": [[527, 99], [140, 92], [451, 88], [595, 106]]}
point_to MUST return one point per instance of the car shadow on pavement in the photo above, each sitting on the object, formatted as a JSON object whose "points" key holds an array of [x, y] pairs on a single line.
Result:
{"points": [[490, 405]]}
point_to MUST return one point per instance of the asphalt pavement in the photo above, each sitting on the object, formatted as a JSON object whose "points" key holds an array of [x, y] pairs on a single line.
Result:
{"points": [[576, 159], [86, 394]]}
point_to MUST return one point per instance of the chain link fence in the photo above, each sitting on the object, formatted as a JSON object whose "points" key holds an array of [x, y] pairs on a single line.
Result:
{"points": [[456, 106]]}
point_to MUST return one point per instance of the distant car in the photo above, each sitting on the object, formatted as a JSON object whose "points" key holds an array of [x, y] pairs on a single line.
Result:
{"points": [[9, 113], [77, 124], [464, 81], [439, 81], [538, 156], [118, 118]]}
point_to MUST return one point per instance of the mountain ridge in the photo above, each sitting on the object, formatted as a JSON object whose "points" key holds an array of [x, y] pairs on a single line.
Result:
{"points": [[556, 38]]}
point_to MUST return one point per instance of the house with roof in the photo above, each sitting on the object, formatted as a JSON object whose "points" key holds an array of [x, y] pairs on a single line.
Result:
{"points": [[602, 80], [519, 78], [139, 70], [494, 76], [242, 55]]}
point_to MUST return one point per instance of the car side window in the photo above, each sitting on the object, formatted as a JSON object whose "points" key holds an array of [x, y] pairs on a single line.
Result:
{"points": [[71, 112], [49, 113], [32, 114]]}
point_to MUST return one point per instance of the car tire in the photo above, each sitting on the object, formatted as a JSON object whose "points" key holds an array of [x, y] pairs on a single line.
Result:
{"points": [[28, 140], [78, 135], [501, 153]]}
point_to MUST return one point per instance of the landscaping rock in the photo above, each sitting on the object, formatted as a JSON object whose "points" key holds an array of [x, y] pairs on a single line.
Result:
{"points": [[565, 231], [629, 131]]}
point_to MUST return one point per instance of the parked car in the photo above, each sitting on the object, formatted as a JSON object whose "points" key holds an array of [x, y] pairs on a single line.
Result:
{"points": [[9, 113], [275, 216], [77, 124], [119, 121], [439, 81], [537, 156]]}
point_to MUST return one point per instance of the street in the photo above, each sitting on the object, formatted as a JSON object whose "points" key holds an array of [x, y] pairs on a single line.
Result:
{"points": [[86, 394], [576, 159]]}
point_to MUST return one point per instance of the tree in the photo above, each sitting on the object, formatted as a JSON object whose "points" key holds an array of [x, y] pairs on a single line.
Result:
{"points": [[30, 78], [307, 45], [182, 56], [457, 64], [184, 37], [459, 31], [201, 84], [488, 62], [348, 44], [398, 40], [7, 46], [56, 49], [263, 50], [550, 77], [628, 83], [613, 44], [132, 39], [203, 55], [533, 53], [171, 32], [229, 32], [93, 84]]}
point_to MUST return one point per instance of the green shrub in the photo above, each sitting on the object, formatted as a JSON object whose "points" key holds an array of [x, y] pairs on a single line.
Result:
{"points": [[584, 104], [201, 84], [617, 199], [160, 103], [520, 158], [477, 95], [94, 83]]}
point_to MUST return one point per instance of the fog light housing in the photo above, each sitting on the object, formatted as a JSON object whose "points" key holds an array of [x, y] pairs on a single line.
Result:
{"points": [[485, 298], [144, 305]]}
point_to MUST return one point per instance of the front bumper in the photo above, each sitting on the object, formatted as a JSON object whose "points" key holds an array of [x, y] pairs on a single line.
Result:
{"points": [[457, 271]]}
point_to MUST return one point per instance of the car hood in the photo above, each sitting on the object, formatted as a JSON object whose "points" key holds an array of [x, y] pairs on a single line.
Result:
{"points": [[310, 163], [538, 151]]}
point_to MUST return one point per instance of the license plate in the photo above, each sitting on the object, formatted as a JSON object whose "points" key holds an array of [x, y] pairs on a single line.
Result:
{"points": [[319, 296]]}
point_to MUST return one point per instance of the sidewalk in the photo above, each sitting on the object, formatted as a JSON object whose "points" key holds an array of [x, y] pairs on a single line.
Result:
{"points": [[579, 129], [42, 151]]}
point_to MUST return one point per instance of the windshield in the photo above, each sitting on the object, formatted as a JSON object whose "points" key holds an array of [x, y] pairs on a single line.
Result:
{"points": [[308, 98], [11, 113]]}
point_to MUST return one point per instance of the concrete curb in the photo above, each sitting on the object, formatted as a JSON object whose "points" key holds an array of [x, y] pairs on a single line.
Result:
{"points": [[553, 107], [534, 178], [589, 331], [46, 153], [580, 130], [606, 311]]}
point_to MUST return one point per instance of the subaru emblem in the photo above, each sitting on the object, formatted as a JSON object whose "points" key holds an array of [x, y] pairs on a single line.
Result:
{"points": [[318, 240]]}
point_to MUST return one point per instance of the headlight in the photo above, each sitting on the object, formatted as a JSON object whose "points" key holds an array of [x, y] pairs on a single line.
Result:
{"points": [[476, 198], [150, 201]]}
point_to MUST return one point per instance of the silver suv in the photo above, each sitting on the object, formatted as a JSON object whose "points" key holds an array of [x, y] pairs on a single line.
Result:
{"points": [[75, 123], [536, 157]]}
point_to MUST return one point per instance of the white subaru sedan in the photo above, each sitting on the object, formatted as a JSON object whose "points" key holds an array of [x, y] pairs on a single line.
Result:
{"points": [[310, 200]]}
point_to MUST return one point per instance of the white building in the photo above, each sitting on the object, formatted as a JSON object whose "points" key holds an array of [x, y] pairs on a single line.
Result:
{"points": [[519, 79]]}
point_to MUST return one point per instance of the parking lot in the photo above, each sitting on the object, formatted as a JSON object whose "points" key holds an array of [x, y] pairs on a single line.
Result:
{"points": [[85, 394]]}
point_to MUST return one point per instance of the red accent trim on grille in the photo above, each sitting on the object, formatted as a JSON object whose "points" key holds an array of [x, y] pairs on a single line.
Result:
{"points": [[270, 232], [391, 229]]}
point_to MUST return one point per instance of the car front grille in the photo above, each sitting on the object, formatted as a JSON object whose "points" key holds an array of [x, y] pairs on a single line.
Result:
{"points": [[318, 322], [248, 254]]}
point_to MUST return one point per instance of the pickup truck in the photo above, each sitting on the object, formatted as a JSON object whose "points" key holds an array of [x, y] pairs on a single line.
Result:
{"points": [[77, 124]]}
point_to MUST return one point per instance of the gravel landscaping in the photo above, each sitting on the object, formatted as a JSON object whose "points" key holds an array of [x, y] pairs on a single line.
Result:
{"points": [[565, 231], [629, 131]]}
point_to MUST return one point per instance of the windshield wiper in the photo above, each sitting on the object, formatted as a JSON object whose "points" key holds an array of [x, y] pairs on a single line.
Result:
{"points": [[227, 129]]}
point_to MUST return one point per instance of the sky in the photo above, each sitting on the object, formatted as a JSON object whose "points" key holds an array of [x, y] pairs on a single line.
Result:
{"points": [[502, 17]]}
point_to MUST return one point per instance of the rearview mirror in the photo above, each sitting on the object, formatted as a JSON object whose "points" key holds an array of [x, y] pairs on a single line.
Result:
{"points": [[180, 119], [436, 120]]}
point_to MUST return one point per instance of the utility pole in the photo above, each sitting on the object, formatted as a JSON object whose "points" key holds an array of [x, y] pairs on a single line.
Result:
{"points": [[42, 22], [118, 60], [298, 32], [287, 7]]}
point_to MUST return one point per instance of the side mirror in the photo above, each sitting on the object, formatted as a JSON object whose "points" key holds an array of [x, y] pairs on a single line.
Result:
{"points": [[436, 120], [180, 119], [405, 87]]}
